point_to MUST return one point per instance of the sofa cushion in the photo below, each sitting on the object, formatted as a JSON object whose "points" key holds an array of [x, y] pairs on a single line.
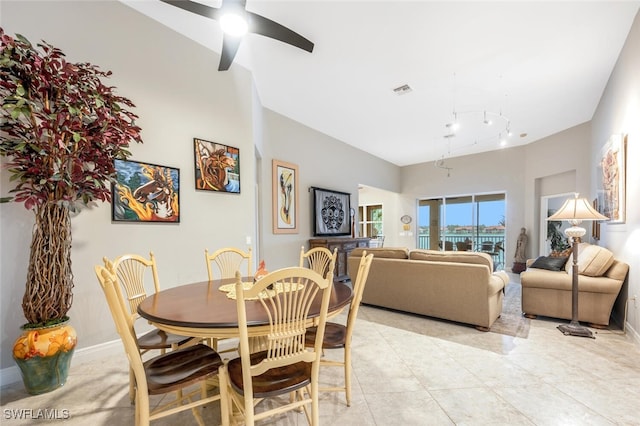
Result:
{"points": [[550, 263], [383, 252], [476, 258], [593, 260]]}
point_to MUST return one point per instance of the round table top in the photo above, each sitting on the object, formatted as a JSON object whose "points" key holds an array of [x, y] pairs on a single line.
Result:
{"points": [[203, 305]]}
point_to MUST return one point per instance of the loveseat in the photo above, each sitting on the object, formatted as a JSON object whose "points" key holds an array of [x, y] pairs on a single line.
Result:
{"points": [[546, 285], [456, 286]]}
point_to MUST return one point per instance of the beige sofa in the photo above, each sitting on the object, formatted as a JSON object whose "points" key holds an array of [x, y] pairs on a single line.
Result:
{"points": [[457, 286], [547, 291]]}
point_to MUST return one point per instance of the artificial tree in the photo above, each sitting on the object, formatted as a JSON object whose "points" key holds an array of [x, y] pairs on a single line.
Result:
{"points": [[61, 129]]}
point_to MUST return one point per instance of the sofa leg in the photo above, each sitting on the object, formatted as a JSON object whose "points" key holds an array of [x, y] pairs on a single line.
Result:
{"points": [[480, 328], [530, 316], [598, 326]]}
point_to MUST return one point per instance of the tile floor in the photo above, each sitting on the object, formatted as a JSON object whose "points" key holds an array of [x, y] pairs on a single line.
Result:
{"points": [[411, 370]]}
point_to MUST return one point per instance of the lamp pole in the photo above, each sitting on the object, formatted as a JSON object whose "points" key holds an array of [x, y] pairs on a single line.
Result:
{"points": [[575, 210]]}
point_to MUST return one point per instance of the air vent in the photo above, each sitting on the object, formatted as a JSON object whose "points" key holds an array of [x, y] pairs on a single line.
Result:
{"points": [[401, 90]]}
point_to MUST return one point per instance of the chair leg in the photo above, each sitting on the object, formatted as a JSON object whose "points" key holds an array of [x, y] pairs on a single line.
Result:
{"points": [[315, 409], [132, 387], [142, 409], [225, 398], [347, 373]]}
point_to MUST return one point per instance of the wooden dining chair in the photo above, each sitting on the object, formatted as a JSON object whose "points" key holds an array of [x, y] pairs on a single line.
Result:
{"points": [[227, 261], [462, 246], [133, 273], [338, 336], [176, 371], [319, 259], [224, 263], [286, 366]]}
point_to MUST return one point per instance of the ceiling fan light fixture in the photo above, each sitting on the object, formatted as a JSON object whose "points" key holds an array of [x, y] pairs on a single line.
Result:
{"points": [[234, 24]]}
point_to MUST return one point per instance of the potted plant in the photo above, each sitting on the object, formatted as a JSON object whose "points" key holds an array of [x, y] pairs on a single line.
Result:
{"points": [[554, 235], [61, 129]]}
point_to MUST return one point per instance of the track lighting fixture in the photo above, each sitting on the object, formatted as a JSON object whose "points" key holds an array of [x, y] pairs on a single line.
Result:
{"points": [[487, 122]]}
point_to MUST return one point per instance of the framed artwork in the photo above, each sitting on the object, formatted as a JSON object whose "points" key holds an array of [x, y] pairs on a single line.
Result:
{"points": [[217, 166], [145, 192], [331, 212], [285, 197], [612, 179]]}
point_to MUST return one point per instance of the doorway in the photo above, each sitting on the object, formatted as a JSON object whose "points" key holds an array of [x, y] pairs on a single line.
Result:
{"points": [[551, 232]]}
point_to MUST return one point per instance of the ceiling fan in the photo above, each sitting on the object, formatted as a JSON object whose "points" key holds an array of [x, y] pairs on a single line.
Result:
{"points": [[235, 10]]}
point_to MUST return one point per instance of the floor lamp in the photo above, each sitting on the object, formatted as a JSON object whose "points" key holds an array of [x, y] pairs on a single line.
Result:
{"points": [[574, 211]]}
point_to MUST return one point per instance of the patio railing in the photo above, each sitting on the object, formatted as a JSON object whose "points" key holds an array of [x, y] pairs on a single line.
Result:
{"points": [[476, 244]]}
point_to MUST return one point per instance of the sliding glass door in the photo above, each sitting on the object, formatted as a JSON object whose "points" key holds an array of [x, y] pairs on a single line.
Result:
{"points": [[470, 222]]}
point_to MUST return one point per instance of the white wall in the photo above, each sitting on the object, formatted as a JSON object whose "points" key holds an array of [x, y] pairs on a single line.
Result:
{"points": [[322, 162], [492, 172], [551, 162], [179, 96], [619, 112]]}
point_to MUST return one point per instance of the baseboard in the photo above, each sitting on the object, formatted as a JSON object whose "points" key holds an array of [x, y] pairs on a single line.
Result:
{"points": [[81, 356], [633, 333]]}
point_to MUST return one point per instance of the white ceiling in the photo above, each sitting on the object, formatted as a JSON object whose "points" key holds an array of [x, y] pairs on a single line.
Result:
{"points": [[542, 64]]}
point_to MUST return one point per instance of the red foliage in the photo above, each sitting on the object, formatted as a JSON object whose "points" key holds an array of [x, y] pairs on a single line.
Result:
{"points": [[60, 126]]}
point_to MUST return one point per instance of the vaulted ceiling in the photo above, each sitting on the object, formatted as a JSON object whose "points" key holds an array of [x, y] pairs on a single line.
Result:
{"points": [[535, 68]]}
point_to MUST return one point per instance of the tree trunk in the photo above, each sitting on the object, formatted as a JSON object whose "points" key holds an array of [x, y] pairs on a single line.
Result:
{"points": [[48, 293]]}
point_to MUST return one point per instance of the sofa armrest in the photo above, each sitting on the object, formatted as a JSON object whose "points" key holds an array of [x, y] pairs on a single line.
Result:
{"points": [[498, 281]]}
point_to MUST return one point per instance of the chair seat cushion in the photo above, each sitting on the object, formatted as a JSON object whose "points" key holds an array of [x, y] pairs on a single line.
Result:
{"points": [[335, 336], [158, 339], [276, 381], [182, 367]]}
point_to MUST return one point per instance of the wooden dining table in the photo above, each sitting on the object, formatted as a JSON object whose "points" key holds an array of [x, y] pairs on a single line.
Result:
{"points": [[201, 309]]}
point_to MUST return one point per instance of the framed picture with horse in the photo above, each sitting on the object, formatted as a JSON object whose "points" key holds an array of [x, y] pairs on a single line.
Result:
{"points": [[217, 167], [285, 197], [145, 192]]}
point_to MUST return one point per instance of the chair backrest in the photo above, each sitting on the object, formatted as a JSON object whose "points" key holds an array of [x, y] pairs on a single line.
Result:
{"points": [[319, 259], [462, 246], [124, 323], [448, 245], [286, 295], [487, 246], [228, 261], [132, 272], [358, 289]]}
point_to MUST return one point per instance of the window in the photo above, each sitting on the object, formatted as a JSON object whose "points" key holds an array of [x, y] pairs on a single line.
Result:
{"points": [[370, 220], [469, 222]]}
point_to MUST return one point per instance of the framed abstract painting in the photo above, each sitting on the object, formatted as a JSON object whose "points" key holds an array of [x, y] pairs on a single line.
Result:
{"points": [[612, 179], [331, 210], [217, 167], [284, 197], [145, 192]]}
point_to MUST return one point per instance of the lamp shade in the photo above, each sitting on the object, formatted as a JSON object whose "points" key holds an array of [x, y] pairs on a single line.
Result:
{"points": [[577, 209]]}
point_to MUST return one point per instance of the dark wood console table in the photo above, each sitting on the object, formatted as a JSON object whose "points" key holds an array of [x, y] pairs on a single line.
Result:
{"points": [[344, 246]]}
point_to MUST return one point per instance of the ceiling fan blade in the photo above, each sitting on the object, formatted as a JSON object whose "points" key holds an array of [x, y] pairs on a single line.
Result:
{"points": [[268, 28], [230, 47], [197, 8]]}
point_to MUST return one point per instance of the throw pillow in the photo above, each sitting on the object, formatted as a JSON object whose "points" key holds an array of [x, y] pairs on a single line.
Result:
{"points": [[563, 253], [594, 261], [550, 263], [569, 265]]}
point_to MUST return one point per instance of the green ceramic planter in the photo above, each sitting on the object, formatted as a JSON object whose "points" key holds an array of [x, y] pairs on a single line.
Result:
{"points": [[44, 356]]}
